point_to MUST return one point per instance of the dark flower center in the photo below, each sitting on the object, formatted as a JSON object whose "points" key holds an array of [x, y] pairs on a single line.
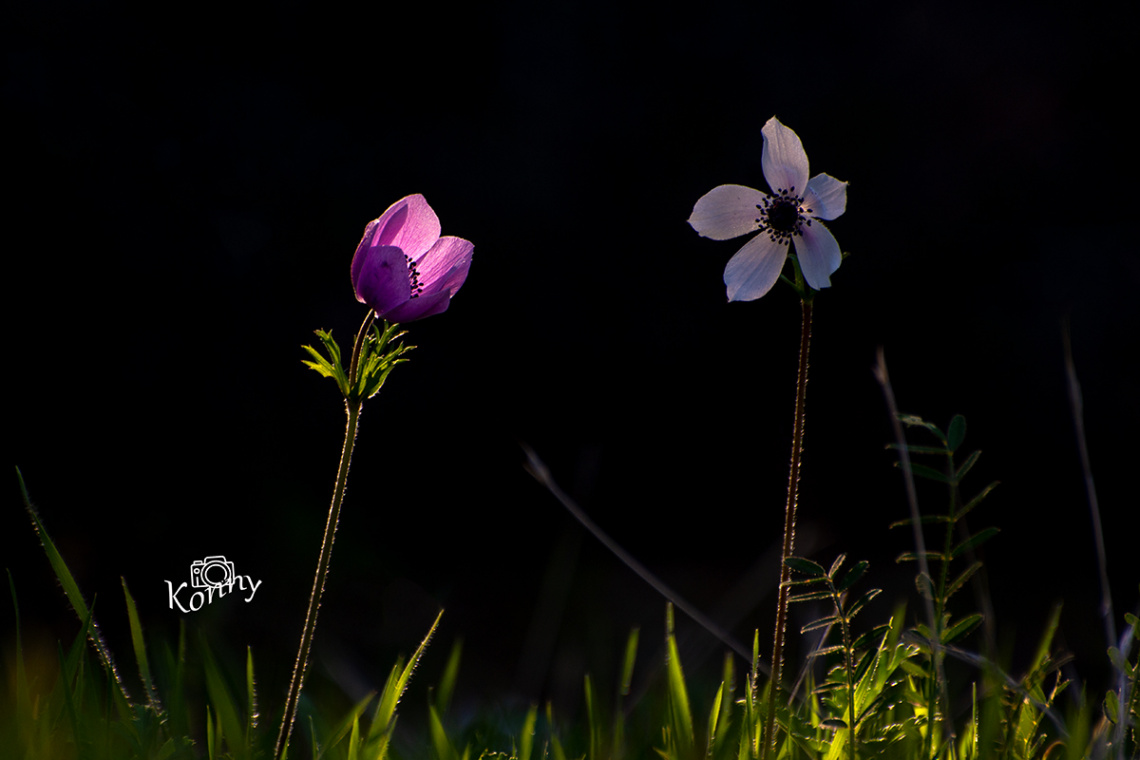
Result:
{"points": [[783, 216], [414, 277]]}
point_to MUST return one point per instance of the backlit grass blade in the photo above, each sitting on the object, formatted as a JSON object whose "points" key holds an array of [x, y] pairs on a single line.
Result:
{"points": [[526, 736], [23, 694], [251, 698], [439, 740], [593, 721], [349, 724], [70, 587], [446, 686], [140, 650], [395, 686], [681, 714], [229, 720]]}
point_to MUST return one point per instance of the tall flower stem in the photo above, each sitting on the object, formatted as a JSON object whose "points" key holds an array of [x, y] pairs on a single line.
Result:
{"points": [[789, 532], [301, 666]]}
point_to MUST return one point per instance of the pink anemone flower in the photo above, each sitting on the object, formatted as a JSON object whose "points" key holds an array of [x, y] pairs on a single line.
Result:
{"points": [[791, 214], [403, 269]]}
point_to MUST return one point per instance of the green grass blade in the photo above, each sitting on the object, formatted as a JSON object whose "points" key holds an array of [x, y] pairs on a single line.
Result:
{"points": [[447, 681], [140, 650], [251, 698], [396, 685], [346, 725], [681, 713], [230, 724], [23, 693], [354, 739], [444, 749], [70, 587], [526, 736], [593, 722]]}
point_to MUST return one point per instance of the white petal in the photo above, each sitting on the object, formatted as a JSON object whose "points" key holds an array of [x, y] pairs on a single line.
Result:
{"points": [[727, 211], [826, 197], [784, 162], [755, 268], [819, 255]]}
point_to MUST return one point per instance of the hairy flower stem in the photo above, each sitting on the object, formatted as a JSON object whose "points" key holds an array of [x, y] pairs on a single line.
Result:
{"points": [[789, 534], [301, 666]]}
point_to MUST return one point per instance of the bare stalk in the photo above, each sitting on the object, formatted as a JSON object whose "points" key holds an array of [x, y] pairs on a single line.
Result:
{"points": [[789, 533]]}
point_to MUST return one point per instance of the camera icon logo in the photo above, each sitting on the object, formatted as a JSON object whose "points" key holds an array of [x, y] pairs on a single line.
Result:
{"points": [[211, 571]]}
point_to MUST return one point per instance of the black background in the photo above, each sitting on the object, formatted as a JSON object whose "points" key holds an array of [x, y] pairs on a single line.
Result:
{"points": [[186, 190]]}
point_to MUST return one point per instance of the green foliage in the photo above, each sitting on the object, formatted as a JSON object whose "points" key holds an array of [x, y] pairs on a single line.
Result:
{"points": [[868, 689], [379, 353], [81, 710]]}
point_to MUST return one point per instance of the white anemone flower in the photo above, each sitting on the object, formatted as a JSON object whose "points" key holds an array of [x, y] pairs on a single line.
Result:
{"points": [[790, 214]]}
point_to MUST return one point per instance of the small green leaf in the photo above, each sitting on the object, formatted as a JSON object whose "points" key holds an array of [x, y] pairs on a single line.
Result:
{"points": [[921, 449], [956, 433], [922, 471], [821, 623], [923, 520], [913, 556], [975, 501], [968, 465], [833, 723], [824, 651], [956, 584], [805, 566], [911, 420], [861, 602], [1111, 706], [983, 535], [961, 628], [852, 576], [810, 596]]}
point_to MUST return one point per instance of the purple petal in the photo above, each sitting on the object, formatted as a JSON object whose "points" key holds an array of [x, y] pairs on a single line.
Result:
{"points": [[419, 307], [362, 250], [826, 197], [726, 212], [383, 282], [445, 266], [784, 162], [819, 255], [409, 224], [755, 268]]}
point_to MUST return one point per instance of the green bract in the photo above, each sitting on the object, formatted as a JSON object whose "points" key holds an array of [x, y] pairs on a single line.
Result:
{"points": [[378, 355]]}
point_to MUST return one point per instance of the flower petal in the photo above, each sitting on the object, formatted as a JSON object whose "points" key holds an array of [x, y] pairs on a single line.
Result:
{"points": [[417, 308], [383, 281], [755, 268], [784, 162], [445, 266], [362, 250], [726, 212], [409, 224], [819, 255], [826, 197]]}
